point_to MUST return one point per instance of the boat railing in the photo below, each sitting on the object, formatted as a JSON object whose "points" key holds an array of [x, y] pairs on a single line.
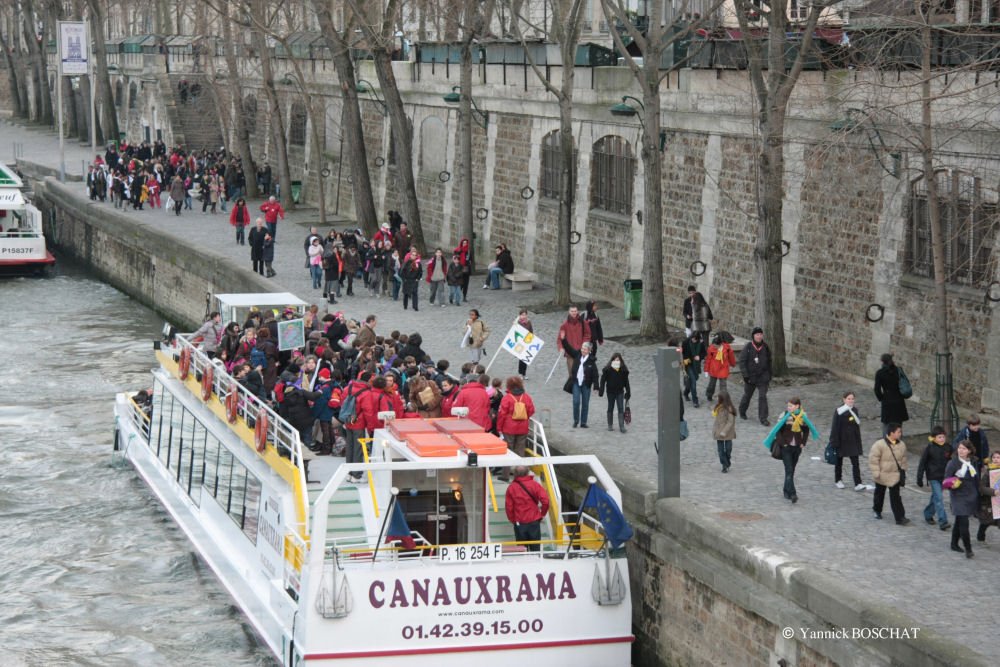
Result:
{"points": [[538, 445], [17, 233], [280, 433], [140, 420]]}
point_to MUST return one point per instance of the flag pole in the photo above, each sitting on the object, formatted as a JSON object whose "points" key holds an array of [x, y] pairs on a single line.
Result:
{"points": [[579, 514], [558, 357], [385, 522], [495, 354]]}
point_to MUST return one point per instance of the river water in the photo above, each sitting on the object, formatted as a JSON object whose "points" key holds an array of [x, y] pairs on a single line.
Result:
{"points": [[94, 571]]}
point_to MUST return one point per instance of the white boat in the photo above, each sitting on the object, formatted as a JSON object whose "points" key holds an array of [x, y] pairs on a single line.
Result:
{"points": [[311, 566], [22, 243]]}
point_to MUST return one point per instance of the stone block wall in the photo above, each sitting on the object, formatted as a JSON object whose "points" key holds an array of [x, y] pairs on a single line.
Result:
{"points": [[682, 183], [508, 214]]}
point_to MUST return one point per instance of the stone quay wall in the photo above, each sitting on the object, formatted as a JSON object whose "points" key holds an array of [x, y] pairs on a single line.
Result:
{"points": [[698, 596]]}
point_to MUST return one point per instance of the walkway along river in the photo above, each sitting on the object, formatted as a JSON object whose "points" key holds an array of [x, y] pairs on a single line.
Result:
{"points": [[95, 572]]}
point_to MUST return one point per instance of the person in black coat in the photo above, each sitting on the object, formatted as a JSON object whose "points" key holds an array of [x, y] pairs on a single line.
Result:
{"points": [[845, 436], [887, 392], [294, 407], [267, 254], [755, 366], [933, 463], [256, 240], [964, 498], [582, 379], [413, 349], [614, 380]]}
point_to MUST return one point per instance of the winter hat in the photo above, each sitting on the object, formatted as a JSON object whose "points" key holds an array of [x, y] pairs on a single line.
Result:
{"points": [[756, 330], [324, 373], [289, 376], [385, 225]]}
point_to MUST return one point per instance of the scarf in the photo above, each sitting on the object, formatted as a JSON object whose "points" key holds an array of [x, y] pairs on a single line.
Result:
{"points": [[797, 419], [966, 471], [719, 353], [843, 408]]}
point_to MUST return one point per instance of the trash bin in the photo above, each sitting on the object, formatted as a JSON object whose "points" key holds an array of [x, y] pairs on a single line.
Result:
{"points": [[633, 299], [296, 191]]}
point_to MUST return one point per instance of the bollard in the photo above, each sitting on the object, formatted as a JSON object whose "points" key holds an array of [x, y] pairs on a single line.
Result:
{"points": [[668, 413]]}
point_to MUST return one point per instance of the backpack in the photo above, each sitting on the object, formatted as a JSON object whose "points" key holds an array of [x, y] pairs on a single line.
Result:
{"points": [[258, 358], [279, 392], [349, 407], [520, 412], [905, 388]]}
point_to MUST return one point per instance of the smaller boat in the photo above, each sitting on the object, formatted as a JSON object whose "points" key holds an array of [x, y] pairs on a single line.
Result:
{"points": [[22, 243]]}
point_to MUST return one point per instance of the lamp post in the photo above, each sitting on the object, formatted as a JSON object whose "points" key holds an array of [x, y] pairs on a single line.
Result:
{"points": [[628, 111], [481, 117], [849, 123]]}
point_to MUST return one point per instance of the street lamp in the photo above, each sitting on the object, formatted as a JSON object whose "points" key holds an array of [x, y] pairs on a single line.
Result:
{"points": [[628, 111], [481, 117], [363, 87]]}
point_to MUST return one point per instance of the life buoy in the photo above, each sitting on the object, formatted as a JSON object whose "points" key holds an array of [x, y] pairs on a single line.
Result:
{"points": [[207, 377], [232, 403], [260, 431], [184, 365]]}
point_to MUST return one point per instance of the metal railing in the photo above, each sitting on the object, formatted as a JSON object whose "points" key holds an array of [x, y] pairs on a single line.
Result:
{"points": [[138, 418], [280, 433]]}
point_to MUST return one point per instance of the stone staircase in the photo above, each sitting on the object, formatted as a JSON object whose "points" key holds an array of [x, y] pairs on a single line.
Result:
{"points": [[195, 122]]}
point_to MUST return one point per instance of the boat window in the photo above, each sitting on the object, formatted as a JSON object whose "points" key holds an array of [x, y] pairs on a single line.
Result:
{"points": [[191, 476], [170, 422], [251, 508], [210, 470], [225, 474], [156, 424], [238, 487]]}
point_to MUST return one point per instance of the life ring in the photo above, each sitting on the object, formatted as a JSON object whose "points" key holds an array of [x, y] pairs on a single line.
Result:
{"points": [[232, 403], [207, 376], [260, 431], [184, 365]]}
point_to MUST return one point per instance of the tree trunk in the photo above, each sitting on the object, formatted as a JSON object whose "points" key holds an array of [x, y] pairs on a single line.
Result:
{"points": [[403, 143], [241, 135], [654, 316], [40, 84], [351, 129], [567, 182], [12, 77], [465, 224], [277, 124], [105, 98], [941, 343]]}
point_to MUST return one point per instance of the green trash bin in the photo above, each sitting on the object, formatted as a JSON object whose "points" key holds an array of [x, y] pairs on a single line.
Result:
{"points": [[633, 299], [296, 191]]}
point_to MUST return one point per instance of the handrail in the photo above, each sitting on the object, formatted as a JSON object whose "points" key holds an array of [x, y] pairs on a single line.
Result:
{"points": [[279, 432], [540, 448], [139, 418], [371, 480], [21, 233]]}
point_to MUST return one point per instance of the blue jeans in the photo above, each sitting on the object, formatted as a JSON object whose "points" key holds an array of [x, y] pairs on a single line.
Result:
{"points": [[936, 503], [317, 275], [692, 374], [581, 404], [495, 274], [455, 294], [397, 282]]}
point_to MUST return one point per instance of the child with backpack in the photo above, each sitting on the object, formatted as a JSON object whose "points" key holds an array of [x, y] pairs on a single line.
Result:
{"points": [[514, 417], [724, 429]]}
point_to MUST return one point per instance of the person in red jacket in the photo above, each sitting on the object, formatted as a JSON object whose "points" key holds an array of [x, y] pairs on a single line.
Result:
{"points": [[379, 399], [513, 422], [272, 211], [473, 396], [718, 360], [448, 395], [526, 503], [573, 333], [463, 258], [239, 218], [354, 429]]}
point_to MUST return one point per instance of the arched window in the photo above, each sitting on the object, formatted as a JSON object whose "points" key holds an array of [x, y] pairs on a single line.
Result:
{"points": [[297, 131], [133, 94], [433, 145], [119, 91], [250, 114], [969, 222], [551, 167], [612, 175]]}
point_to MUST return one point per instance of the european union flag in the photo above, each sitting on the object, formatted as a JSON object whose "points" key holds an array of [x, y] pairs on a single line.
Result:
{"points": [[616, 528], [398, 528]]}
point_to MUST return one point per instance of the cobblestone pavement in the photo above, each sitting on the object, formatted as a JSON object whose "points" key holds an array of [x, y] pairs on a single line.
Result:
{"points": [[911, 567]]}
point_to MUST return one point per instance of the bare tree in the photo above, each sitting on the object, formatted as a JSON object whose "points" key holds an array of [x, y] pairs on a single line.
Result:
{"points": [[97, 16], [378, 22], [241, 133], [567, 20], [13, 64], [351, 128], [40, 82], [652, 43], [772, 80]]}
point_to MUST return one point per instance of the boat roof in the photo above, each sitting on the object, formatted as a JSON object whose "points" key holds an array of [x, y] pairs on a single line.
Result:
{"points": [[260, 299], [9, 178], [11, 199]]}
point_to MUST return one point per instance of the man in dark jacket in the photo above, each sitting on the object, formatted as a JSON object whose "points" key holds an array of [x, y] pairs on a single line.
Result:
{"points": [[526, 504], [888, 394], [256, 240], [974, 433], [294, 406], [755, 365], [932, 463]]}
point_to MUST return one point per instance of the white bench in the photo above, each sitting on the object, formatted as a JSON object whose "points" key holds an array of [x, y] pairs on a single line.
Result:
{"points": [[521, 281]]}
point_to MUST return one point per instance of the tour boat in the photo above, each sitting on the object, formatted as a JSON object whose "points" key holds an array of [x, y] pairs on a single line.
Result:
{"points": [[417, 561], [22, 243]]}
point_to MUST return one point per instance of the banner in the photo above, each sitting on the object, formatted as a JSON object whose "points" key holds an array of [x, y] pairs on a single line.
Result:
{"points": [[291, 334], [74, 48], [522, 343]]}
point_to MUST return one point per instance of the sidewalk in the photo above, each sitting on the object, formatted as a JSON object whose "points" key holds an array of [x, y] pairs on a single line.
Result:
{"points": [[911, 567]]}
